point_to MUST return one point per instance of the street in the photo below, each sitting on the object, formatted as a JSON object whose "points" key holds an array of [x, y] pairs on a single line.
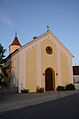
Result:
{"points": [[64, 108]]}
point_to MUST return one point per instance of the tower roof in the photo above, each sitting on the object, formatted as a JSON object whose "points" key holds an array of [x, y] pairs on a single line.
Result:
{"points": [[15, 41]]}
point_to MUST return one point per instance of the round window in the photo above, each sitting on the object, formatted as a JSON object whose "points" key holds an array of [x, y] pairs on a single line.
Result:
{"points": [[49, 50]]}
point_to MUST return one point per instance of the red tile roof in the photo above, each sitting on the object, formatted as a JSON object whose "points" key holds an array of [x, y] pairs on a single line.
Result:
{"points": [[16, 41]]}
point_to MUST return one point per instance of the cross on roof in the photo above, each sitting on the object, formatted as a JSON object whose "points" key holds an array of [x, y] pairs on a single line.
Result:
{"points": [[15, 34], [48, 27]]}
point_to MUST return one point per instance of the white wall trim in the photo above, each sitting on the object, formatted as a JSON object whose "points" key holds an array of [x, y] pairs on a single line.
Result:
{"points": [[19, 82], [39, 64], [59, 67], [22, 71], [70, 70]]}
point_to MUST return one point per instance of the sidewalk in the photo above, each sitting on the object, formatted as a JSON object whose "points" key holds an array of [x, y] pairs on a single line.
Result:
{"points": [[16, 101]]}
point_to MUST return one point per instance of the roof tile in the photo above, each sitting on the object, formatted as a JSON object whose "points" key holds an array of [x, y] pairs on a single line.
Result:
{"points": [[16, 41]]}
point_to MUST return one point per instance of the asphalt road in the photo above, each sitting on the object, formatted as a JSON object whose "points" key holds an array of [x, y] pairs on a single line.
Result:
{"points": [[65, 108]]}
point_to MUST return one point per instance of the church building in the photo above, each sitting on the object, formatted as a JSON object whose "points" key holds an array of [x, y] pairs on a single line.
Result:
{"points": [[44, 62]]}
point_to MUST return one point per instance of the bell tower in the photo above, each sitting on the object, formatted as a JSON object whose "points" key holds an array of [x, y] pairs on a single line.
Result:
{"points": [[14, 45]]}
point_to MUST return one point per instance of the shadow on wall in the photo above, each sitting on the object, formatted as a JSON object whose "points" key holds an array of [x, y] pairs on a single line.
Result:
{"points": [[13, 83]]}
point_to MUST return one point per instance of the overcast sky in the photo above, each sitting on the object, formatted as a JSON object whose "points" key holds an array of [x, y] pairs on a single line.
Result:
{"points": [[29, 18]]}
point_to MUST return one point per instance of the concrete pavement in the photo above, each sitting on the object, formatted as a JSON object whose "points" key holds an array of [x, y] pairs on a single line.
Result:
{"points": [[63, 108], [16, 101]]}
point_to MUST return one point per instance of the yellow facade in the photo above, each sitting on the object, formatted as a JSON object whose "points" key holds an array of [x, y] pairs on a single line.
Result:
{"points": [[64, 69], [32, 61], [49, 61], [31, 67]]}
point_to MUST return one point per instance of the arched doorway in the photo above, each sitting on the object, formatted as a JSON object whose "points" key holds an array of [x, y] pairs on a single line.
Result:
{"points": [[49, 79]]}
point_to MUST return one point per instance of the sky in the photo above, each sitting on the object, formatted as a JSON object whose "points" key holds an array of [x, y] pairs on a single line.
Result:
{"points": [[29, 18]]}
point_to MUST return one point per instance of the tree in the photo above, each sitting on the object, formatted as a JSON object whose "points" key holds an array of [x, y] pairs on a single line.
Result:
{"points": [[2, 51], [4, 69]]}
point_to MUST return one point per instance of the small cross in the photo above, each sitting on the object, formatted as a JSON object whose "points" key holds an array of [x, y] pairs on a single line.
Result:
{"points": [[15, 34], [48, 27]]}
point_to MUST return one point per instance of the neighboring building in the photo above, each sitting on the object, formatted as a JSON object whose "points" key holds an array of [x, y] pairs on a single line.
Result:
{"points": [[76, 76], [43, 62]]}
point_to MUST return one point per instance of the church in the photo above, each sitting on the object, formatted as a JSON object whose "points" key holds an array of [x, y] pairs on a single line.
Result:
{"points": [[44, 62]]}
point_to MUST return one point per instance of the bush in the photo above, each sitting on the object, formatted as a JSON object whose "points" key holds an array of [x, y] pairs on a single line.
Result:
{"points": [[39, 90], [60, 88], [70, 87], [24, 91]]}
